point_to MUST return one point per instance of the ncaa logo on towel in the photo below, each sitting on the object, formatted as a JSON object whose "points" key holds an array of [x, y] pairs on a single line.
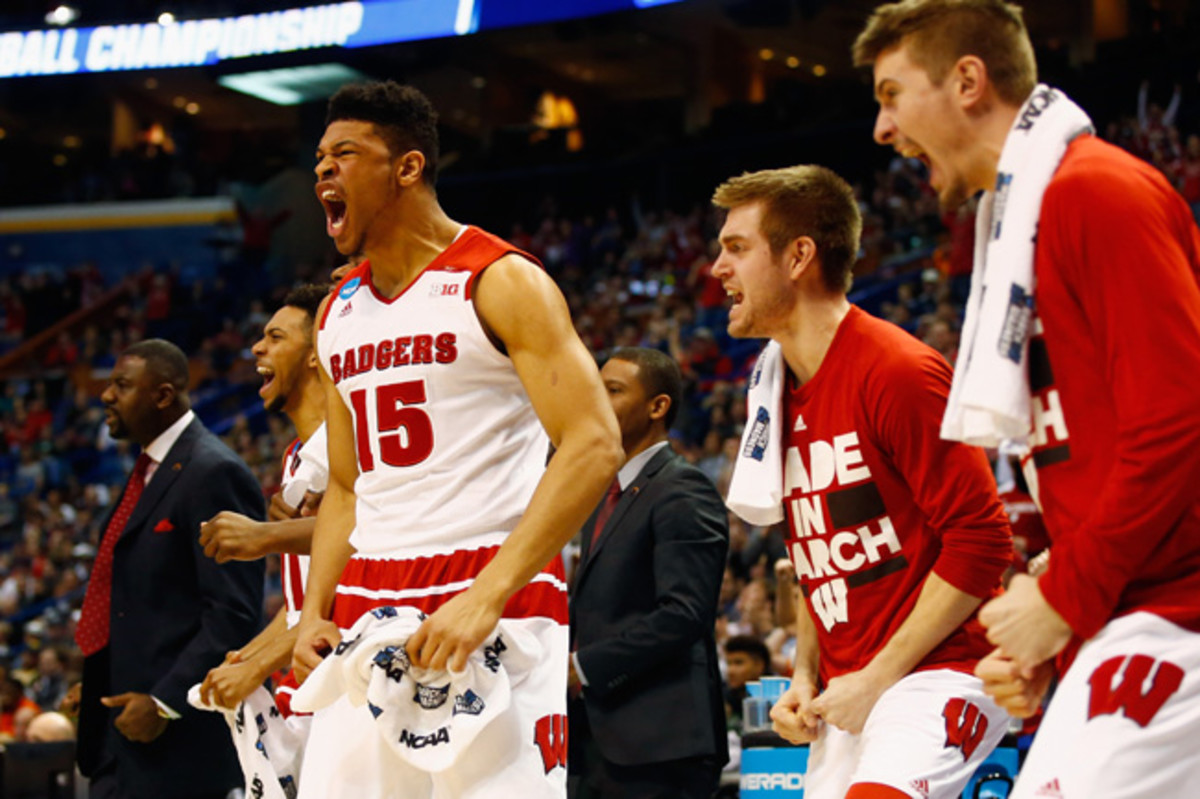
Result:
{"points": [[756, 375], [469, 702], [344, 645], [491, 654], [351, 286], [430, 697], [756, 442]]}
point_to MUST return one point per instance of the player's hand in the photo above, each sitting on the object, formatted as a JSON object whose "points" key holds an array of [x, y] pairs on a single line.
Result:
{"points": [[1022, 623], [231, 682], [232, 536], [311, 503], [280, 511], [139, 721], [793, 717], [1018, 695], [448, 637], [848, 700], [314, 640], [785, 572]]}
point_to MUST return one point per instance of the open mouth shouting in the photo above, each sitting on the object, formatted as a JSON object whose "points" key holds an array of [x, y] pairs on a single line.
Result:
{"points": [[335, 211], [268, 376]]}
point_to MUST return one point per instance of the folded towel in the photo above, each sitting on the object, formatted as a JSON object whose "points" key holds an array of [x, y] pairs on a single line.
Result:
{"points": [[756, 488]]}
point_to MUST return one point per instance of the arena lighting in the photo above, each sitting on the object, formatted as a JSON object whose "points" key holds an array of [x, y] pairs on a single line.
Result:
{"points": [[62, 15], [293, 85], [167, 42]]}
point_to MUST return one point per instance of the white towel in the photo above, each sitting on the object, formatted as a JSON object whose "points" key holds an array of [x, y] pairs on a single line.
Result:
{"points": [[270, 747], [989, 400], [756, 488], [428, 718]]}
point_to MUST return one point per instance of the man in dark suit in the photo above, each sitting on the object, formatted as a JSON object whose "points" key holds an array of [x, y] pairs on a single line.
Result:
{"points": [[158, 614], [647, 719]]}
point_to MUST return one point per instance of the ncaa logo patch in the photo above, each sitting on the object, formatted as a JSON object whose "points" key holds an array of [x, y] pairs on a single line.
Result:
{"points": [[351, 286], [430, 697], [756, 442], [468, 702]]}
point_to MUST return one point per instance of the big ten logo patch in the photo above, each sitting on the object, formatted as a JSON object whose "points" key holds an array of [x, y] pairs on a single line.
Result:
{"points": [[842, 535], [444, 290], [1136, 685], [965, 726], [550, 735]]}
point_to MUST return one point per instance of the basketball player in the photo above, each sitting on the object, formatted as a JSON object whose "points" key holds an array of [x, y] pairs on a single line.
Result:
{"points": [[288, 364], [447, 357], [895, 534], [1087, 349]]}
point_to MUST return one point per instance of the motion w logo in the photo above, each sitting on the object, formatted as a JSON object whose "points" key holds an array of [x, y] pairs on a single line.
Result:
{"points": [[1130, 695], [550, 734], [965, 726]]}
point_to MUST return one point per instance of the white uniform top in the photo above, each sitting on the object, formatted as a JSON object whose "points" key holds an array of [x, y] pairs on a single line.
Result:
{"points": [[305, 468], [449, 447]]}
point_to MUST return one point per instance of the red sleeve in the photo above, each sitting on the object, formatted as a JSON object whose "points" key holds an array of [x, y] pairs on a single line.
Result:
{"points": [[1127, 255], [951, 482]]}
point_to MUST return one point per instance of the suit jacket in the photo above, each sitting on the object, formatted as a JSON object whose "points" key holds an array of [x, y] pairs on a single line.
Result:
{"points": [[642, 616], [174, 615]]}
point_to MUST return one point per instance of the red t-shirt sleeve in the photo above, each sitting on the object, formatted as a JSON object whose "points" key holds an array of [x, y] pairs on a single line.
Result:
{"points": [[1128, 258], [951, 482]]}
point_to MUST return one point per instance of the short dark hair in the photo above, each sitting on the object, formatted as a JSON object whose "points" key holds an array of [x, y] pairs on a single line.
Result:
{"points": [[403, 116], [754, 647], [307, 297], [805, 200], [658, 373], [165, 362], [942, 31]]}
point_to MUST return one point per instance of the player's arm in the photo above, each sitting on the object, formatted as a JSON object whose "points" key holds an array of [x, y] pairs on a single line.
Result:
{"points": [[520, 304], [793, 716], [231, 536], [249, 667], [952, 484], [1145, 323], [331, 548]]}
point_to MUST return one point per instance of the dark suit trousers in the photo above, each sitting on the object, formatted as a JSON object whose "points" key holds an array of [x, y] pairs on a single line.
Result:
{"points": [[593, 777], [105, 785]]}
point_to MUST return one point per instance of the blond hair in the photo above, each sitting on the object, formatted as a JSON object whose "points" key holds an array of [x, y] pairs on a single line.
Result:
{"points": [[938, 33], [805, 200]]}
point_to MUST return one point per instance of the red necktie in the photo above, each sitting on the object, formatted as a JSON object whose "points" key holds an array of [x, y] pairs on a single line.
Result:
{"points": [[92, 631], [606, 510]]}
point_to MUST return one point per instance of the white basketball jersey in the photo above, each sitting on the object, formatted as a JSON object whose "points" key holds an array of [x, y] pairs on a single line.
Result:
{"points": [[449, 447], [305, 468]]}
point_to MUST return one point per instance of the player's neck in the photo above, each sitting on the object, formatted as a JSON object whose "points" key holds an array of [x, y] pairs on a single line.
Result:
{"points": [[813, 324], [309, 412], [421, 232], [989, 135]]}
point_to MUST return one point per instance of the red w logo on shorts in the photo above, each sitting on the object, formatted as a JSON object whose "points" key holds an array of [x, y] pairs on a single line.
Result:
{"points": [[1129, 695], [550, 734], [965, 726]]}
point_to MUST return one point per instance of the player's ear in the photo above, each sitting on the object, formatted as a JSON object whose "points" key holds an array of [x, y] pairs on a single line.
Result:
{"points": [[970, 80], [410, 167], [801, 256]]}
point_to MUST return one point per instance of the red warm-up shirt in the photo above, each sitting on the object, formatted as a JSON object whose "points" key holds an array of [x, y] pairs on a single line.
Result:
{"points": [[1115, 375], [876, 500]]}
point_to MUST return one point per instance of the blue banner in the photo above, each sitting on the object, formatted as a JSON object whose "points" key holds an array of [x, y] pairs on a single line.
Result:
{"points": [[198, 42]]}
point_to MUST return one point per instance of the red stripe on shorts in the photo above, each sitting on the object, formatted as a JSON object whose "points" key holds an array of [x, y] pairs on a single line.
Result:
{"points": [[420, 579]]}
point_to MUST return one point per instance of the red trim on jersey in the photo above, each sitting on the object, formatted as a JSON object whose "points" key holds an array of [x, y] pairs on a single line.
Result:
{"points": [[483, 250], [363, 271], [874, 790], [293, 581], [285, 687], [537, 599]]}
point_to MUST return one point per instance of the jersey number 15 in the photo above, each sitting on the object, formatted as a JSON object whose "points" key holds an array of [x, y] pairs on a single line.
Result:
{"points": [[405, 432]]}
